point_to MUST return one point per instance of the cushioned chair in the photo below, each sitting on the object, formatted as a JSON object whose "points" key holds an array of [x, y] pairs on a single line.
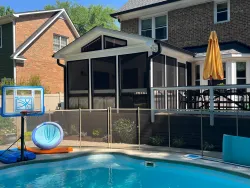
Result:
{"points": [[47, 135]]}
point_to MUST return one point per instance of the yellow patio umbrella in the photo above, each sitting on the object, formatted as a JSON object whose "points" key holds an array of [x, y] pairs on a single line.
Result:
{"points": [[213, 68]]}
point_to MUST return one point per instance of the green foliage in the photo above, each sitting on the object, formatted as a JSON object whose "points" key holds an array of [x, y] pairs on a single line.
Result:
{"points": [[27, 136], [208, 147], [32, 81], [7, 126], [178, 142], [85, 18], [96, 132], [125, 129], [5, 11], [156, 140]]}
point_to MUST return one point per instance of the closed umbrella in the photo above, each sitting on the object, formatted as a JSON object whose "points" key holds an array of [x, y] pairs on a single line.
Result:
{"points": [[213, 68]]}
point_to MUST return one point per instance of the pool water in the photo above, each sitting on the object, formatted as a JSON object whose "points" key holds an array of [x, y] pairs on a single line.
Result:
{"points": [[116, 171]]}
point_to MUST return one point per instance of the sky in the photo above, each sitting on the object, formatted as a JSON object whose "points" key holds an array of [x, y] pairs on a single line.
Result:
{"points": [[29, 5]]}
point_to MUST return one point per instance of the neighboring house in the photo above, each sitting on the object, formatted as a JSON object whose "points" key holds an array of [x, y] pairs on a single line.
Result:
{"points": [[187, 24], [27, 42]]}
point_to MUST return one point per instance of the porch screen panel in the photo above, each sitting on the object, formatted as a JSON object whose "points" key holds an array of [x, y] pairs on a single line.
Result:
{"points": [[134, 80], [104, 82], [171, 66], [78, 83], [159, 71], [181, 74]]}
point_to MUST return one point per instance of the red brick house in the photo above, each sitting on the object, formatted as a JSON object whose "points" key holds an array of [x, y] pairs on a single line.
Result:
{"points": [[27, 42]]}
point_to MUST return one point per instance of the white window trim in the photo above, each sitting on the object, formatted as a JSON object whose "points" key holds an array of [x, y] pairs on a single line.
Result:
{"points": [[153, 23], [60, 39], [1, 42], [215, 10]]}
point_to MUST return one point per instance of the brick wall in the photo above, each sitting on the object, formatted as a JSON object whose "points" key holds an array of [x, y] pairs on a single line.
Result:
{"points": [[39, 58], [130, 26], [192, 26], [27, 25]]}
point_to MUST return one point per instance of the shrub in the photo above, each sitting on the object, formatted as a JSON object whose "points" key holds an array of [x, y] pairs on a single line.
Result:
{"points": [[156, 140], [208, 147], [96, 132], [7, 126], [178, 142], [27, 136], [125, 130]]}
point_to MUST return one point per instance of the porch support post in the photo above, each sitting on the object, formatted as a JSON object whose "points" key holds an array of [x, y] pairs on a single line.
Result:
{"points": [[248, 75], [117, 83], [233, 73], [228, 73], [90, 85]]}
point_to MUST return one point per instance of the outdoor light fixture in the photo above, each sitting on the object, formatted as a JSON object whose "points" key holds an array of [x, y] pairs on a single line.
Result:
{"points": [[154, 48]]}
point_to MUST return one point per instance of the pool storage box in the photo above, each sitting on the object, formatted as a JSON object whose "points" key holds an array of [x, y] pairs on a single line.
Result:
{"points": [[236, 150]]}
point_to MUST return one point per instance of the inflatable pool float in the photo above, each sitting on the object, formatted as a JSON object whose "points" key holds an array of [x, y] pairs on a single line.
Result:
{"points": [[47, 136]]}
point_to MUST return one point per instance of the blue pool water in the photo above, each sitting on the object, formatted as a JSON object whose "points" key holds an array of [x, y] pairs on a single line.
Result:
{"points": [[116, 171]]}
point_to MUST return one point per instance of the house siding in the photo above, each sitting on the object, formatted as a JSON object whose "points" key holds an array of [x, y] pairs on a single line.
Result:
{"points": [[6, 63], [39, 58], [191, 26]]}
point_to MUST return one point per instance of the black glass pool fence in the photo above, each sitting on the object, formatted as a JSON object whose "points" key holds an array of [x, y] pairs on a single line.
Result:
{"points": [[133, 129]]}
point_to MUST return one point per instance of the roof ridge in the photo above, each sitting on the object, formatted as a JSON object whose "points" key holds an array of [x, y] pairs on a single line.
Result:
{"points": [[34, 35]]}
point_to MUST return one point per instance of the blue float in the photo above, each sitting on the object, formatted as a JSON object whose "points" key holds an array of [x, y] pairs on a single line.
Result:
{"points": [[47, 135]]}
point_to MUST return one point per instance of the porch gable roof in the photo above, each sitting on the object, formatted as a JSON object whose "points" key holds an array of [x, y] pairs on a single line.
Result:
{"points": [[132, 40]]}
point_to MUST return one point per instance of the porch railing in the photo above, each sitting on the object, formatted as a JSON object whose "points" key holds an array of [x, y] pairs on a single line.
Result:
{"points": [[226, 100]]}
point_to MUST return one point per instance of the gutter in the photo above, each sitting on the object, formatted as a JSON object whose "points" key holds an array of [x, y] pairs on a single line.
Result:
{"points": [[64, 82], [155, 54]]}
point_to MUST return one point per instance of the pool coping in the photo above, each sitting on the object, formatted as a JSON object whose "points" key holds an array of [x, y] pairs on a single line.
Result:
{"points": [[212, 165]]}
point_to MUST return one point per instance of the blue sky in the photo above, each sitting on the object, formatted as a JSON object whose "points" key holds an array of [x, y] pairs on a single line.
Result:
{"points": [[28, 5]]}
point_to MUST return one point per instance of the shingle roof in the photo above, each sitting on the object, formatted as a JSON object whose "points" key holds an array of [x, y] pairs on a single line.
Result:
{"points": [[133, 5]]}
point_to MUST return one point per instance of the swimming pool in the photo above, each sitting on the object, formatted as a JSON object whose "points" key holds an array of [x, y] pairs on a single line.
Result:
{"points": [[116, 171]]}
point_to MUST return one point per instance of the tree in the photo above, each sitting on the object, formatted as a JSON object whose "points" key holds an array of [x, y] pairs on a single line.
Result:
{"points": [[85, 18], [5, 11]]}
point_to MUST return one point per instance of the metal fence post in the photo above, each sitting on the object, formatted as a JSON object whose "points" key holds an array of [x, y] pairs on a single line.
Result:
{"points": [[49, 115], [80, 128], [237, 123], [201, 133], [108, 127], [152, 106], [139, 127], [211, 92], [110, 121], [169, 131]]}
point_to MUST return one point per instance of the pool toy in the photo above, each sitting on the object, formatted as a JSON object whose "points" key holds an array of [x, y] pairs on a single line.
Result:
{"points": [[47, 136]]}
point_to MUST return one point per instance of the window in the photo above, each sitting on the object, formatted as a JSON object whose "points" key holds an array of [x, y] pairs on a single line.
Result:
{"points": [[197, 75], [146, 28], [155, 27], [59, 42], [241, 72], [222, 12], [181, 74], [1, 38], [111, 42], [93, 45]]}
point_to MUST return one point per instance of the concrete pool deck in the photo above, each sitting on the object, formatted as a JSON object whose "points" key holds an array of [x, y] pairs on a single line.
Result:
{"points": [[146, 154]]}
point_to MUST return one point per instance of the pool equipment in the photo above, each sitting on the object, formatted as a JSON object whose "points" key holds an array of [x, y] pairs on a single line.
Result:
{"points": [[21, 101]]}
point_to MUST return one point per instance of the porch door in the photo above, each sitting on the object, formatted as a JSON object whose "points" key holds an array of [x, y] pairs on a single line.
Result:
{"points": [[133, 80]]}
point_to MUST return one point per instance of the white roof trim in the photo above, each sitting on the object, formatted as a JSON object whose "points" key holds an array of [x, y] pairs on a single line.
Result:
{"points": [[36, 12], [21, 59], [62, 11]]}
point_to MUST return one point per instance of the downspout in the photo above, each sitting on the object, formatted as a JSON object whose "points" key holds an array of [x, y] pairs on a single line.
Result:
{"points": [[64, 83], [155, 54]]}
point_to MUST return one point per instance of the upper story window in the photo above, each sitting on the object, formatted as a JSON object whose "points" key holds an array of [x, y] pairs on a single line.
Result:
{"points": [[111, 42], [59, 42], [222, 11], [1, 37], [155, 27]]}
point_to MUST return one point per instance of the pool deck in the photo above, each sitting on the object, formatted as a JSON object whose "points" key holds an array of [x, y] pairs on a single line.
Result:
{"points": [[147, 154]]}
